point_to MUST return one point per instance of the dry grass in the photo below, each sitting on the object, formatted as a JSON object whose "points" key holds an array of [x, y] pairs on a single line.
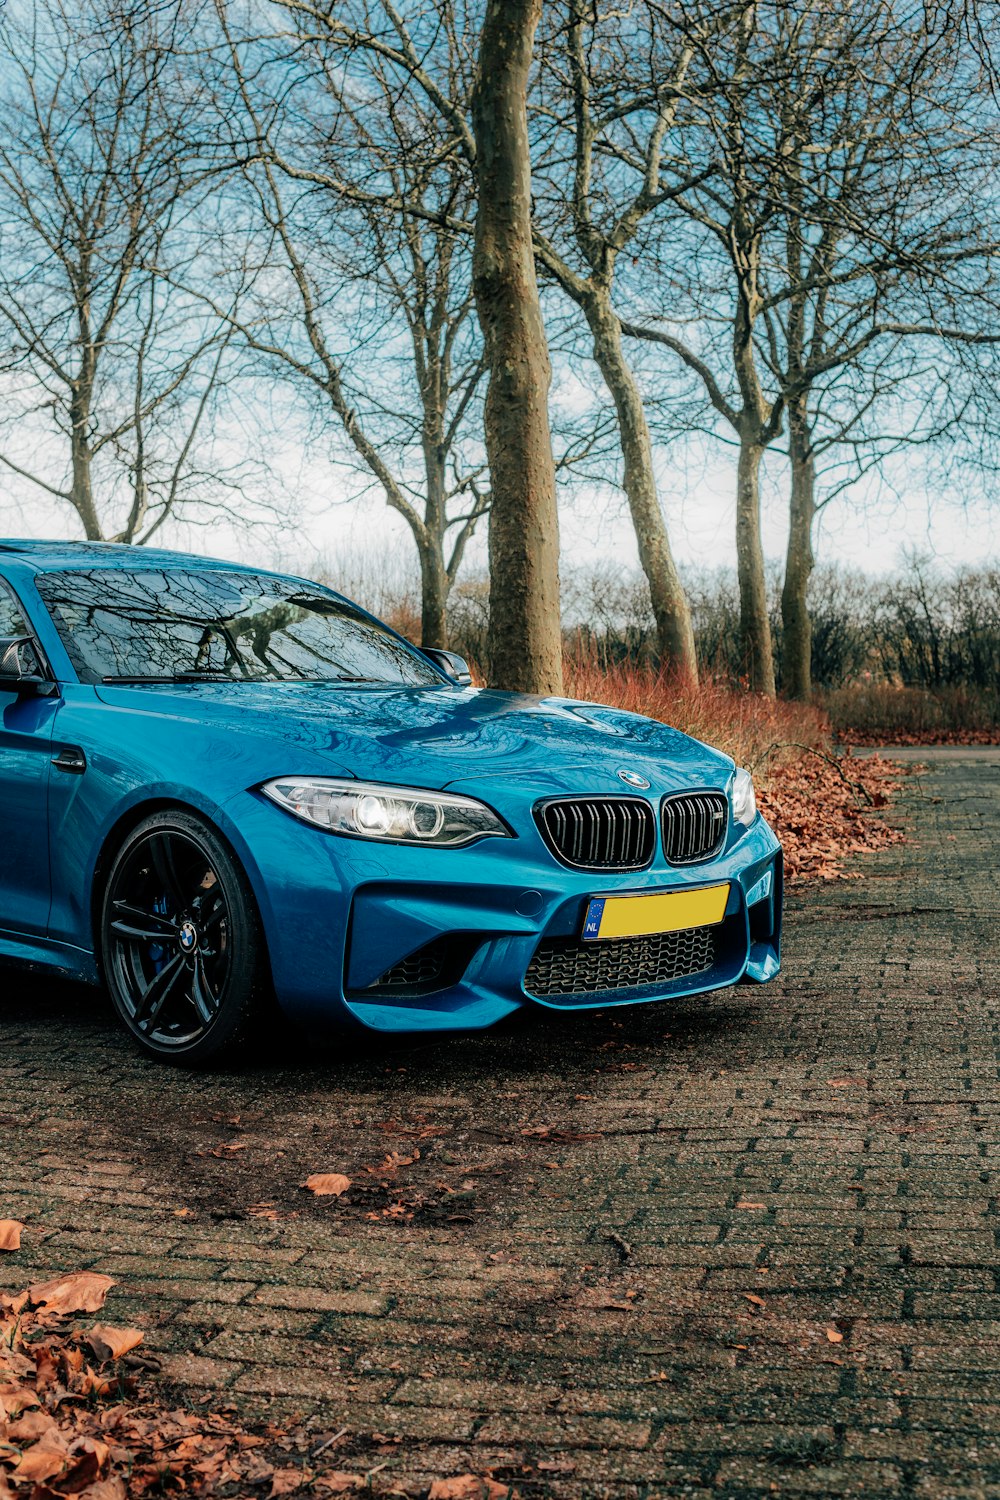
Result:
{"points": [[745, 725], [880, 713]]}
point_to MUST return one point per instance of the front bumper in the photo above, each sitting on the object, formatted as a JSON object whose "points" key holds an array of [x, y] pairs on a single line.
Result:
{"points": [[339, 914]]}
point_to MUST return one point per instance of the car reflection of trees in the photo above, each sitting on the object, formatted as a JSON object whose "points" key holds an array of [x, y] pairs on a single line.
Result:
{"points": [[485, 721], [249, 627], [261, 623]]}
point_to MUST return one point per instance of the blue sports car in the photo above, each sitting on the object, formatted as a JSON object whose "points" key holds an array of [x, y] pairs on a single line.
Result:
{"points": [[220, 786]]}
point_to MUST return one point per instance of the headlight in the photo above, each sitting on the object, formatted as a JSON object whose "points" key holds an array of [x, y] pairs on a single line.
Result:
{"points": [[742, 794], [393, 814]]}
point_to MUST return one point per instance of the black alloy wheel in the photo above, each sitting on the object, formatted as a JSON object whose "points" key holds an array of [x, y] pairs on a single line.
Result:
{"points": [[180, 940]]}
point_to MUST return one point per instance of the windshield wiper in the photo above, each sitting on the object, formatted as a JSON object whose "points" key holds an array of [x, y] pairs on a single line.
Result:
{"points": [[220, 676], [181, 677]]}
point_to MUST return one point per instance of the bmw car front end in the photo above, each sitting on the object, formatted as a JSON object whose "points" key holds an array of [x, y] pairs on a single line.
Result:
{"points": [[456, 907]]}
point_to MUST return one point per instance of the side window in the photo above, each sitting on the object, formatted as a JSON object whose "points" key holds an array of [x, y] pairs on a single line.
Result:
{"points": [[12, 622]]}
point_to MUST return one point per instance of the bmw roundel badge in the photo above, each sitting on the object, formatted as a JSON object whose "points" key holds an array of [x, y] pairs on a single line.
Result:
{"points": [[632, 778]]}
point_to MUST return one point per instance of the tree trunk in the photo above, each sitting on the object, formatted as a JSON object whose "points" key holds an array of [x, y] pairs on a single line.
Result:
{"points": [[796, 644], [433, 595], [674, 632], [81, 488], [435, 584], [755, 627], [525, 643]]}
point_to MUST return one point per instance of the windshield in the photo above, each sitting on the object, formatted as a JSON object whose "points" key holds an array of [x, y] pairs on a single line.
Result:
{"points": [[161, 625]]}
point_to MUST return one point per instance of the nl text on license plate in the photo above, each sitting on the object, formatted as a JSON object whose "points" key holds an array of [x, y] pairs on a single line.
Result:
{"points": [[662, 911]]}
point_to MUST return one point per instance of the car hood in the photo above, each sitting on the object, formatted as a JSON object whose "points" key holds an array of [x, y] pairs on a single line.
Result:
{"points": [[429, 737]]}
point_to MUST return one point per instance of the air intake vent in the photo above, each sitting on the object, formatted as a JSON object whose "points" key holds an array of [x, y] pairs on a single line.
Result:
{"points": [[564, 968], [599, 833], [694, 826], [417, 975], [435, 967]]}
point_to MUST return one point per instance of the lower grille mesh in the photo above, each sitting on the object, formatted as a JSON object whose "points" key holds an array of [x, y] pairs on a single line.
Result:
{"points": [[437, 966], [568, 967], [420, 972]]}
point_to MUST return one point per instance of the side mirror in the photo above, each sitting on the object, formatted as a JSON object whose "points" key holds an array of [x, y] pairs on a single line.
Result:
{"points": [[451, 664], [20, 667]]}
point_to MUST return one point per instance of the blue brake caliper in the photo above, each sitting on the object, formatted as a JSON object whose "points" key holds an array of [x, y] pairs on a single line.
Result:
{"points": [[157, 952]]}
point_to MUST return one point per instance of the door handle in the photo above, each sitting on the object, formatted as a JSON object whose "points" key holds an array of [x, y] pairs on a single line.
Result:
{"points": [[71, 760]]}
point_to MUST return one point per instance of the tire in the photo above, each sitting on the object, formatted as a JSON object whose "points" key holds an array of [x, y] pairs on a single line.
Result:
{"points": [[181, 943]]}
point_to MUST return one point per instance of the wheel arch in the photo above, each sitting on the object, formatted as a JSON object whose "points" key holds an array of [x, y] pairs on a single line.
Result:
{"points": [[127, 821]]}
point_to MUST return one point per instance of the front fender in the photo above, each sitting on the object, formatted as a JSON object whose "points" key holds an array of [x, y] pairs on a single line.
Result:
{"points": [[125, 778]]}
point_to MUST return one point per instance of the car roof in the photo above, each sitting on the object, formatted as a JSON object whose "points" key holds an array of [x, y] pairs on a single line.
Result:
{"points": [[57, 556]]}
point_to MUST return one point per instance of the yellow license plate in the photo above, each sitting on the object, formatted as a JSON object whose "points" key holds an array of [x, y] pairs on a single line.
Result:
{"points": [[664, 911]]}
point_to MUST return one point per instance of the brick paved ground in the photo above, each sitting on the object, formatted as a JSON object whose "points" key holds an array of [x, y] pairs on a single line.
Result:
{"points": [[627, 1239]]}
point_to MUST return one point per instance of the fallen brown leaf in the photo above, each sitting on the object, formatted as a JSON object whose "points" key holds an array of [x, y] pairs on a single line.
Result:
{"points": [[112, 1343], [31, 1426], [81, 1291], [88, 1460], [16, 1400], [327, 1184], [397, 1159], [834, 1335], [287, 1481], [340, 1482], [10, 1234], [40, 1463], [467, 1487], [105, 1489], [757, 1301]]}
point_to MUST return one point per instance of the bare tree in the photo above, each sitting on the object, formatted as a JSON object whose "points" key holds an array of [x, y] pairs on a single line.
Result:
{"points": [[416, 54], [96, 203], [608, 98], [841, 156], [870, 342], [525, 639], [359, 211], [730, 206]]}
